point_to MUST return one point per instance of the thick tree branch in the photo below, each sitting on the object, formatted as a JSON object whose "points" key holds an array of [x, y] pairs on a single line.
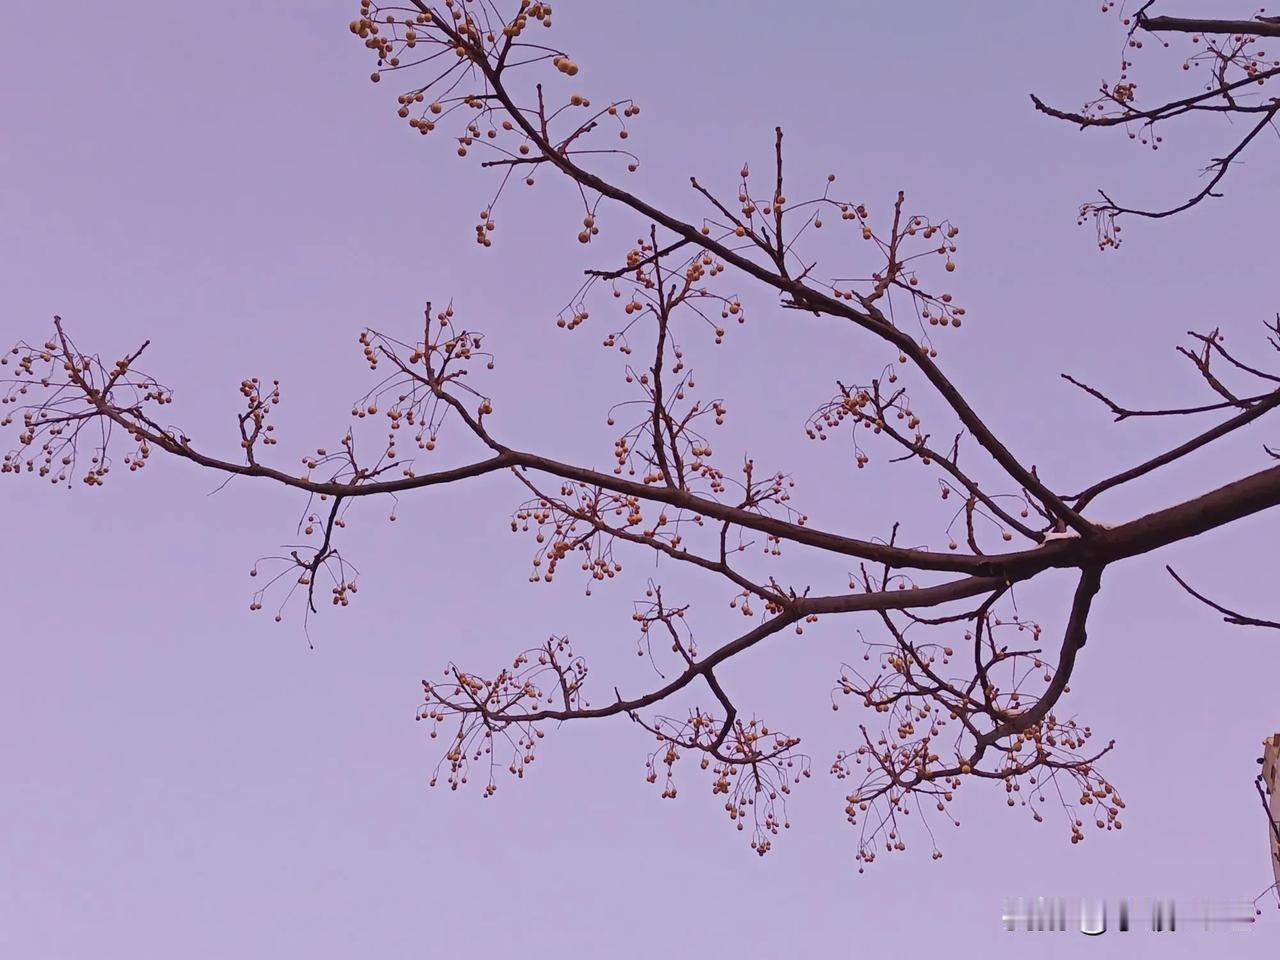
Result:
{"points": [[1248, 28]]}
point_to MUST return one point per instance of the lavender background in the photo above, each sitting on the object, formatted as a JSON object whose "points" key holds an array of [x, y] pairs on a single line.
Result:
{"points": [[181, 777]]}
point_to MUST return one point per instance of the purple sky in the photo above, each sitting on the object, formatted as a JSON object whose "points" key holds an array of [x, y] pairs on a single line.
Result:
{"points": [[183, 778]]}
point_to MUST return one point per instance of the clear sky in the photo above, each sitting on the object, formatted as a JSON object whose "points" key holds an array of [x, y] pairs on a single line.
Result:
{"points": [[184, 778]]}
